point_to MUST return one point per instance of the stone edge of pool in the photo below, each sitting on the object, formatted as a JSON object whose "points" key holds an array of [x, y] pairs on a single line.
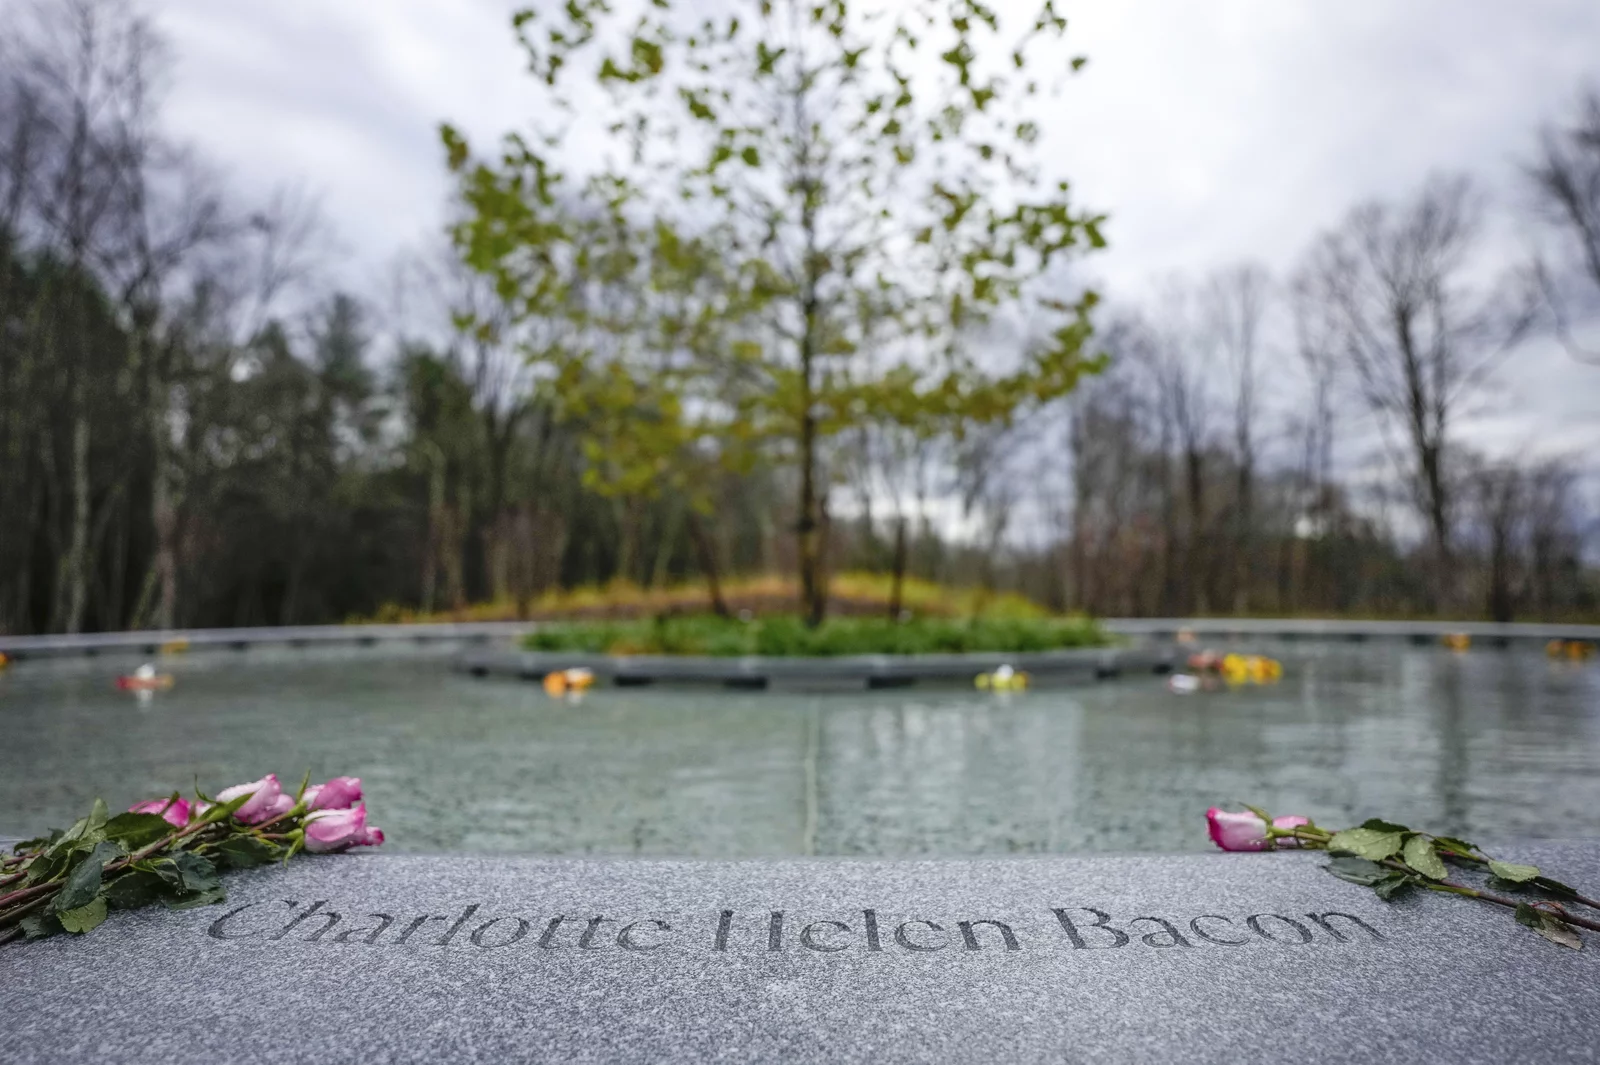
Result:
{"points": [[871, 671], [1493, 634]]}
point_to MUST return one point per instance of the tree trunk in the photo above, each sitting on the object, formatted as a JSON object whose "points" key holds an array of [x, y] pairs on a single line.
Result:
{"points": [[708, 562], [164, 515], [897, 583], [75, 563], [1195, 579]]}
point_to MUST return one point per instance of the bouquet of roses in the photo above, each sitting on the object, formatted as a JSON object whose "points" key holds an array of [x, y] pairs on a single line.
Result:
{"points": [[171, 851]]}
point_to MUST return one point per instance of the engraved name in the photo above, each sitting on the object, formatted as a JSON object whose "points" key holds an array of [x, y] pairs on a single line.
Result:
{"points": [[775, 931]]}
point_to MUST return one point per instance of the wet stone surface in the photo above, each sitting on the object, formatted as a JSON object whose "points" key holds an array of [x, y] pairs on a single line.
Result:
{"points": [[1204, 958]]}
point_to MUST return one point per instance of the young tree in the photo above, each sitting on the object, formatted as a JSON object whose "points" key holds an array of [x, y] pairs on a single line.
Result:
{"points": [[868, 175]]}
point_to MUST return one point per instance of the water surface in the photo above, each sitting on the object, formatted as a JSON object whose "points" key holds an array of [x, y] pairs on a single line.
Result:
{"points": [[1488, 743]]}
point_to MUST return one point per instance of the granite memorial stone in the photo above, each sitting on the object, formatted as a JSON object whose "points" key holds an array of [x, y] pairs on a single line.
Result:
{"points": [[1204, 958]]}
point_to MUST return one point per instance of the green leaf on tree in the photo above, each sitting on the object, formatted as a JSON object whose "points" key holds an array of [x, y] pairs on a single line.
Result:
{"points": [[1512, 871], [1372, 844], [83, 918], [1420, 855], [1357, 870]]}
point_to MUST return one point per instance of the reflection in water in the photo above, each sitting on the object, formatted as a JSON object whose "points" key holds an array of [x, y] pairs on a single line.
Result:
{"points": [[1489, 743]]}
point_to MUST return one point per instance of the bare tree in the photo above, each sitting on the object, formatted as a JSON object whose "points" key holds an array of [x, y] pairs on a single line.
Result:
{"points": [[1235, 304], [1565, 181], [1177, 355], [1419, 341]]}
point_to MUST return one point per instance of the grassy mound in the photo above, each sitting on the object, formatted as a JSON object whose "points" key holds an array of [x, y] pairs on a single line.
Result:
{"points": [[789, 636], [849, 594]]}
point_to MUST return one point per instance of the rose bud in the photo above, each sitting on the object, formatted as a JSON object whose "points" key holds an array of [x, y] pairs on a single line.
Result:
{"points": [[340, 793], [263, 804], [173, 811], [1246, 831], [335, 830]]}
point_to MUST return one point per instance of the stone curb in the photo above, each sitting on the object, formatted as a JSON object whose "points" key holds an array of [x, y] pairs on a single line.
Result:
{"points": [[872, 671]]}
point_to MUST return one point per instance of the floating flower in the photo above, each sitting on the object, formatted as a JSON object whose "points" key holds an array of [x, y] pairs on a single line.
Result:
{"points": [[340, 793], [266, 801], [1247, 832], [173, 811], [335, 830]]}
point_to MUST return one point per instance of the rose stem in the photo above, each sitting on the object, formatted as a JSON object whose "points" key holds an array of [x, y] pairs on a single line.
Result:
{"points": [[1593, 904], [1499, 900], [22, 911], [112, 867], [8, 935], [24, 894]]}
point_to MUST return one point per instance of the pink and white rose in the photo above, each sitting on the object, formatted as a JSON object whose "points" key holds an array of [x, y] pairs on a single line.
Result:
{"points": [[1247, 832], [337, 830], [340, 793], [173, 811], [266, 801]]}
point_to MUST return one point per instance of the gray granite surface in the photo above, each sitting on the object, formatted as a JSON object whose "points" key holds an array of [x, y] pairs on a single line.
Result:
{"points": [[1205, 958]]}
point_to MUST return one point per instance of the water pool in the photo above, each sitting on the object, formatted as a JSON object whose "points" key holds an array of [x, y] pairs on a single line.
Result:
{"points": [[1487, 743]]}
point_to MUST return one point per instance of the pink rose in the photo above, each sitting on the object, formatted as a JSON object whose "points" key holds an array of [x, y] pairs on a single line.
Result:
{"points": [[334, 830], [1247, 832], [340, 793], [264, 803], [173, 811]]}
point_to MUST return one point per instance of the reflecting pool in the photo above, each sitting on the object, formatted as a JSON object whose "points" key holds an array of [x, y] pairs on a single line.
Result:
{"points": [[1486, 743]]}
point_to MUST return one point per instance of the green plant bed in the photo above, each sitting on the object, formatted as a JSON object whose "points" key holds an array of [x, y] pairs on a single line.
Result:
{"points": [[789, 636]]}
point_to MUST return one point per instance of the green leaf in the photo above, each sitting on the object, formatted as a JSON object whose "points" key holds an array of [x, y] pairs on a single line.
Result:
{"points": [[83, 882], [1555, 887], [223, 810], [48, 866], [40, 925], [1357, 870], [98, 814], [83, 918], [136, 831], [204, 898], [1450, 843], [1549, 926], [1369, 843], [242, 852], [196, 873], [1258, 811], [1378, 825], [1512, 871], [133, 889], [1420, 855], [1392, 884]]}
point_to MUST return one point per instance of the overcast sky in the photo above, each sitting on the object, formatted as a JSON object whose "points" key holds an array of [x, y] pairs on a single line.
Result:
{"points": [[1211, 132]]}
